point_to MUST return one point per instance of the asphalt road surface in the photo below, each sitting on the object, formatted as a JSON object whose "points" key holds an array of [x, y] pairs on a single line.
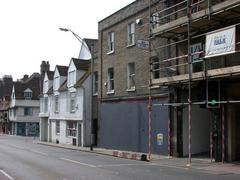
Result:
{"points": [[21, 159]]}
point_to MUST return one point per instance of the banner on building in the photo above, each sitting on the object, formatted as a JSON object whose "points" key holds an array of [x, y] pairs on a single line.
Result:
{"points": [[220, 42]]}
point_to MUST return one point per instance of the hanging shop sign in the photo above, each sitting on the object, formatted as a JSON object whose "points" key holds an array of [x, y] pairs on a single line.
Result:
{"points": [[220, 42]]}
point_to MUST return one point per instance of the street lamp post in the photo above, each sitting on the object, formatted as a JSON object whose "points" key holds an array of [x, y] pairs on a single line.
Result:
{"points": [[82, 41]]}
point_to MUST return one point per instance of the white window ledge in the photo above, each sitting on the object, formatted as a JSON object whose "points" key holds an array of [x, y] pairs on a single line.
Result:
{"points": [[110, 92], [130, 45], [95, 94], [110, 52], [131, 90]]}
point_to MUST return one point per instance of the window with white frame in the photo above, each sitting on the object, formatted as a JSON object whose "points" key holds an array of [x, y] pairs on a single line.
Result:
{"points": [[131, 76], [45, 104], [28, 111], [110, 80], [57, 127], [71, 76], [72, 128], [95, 83], [111, 42], [155, 68], [28, 94], [56, 82], [56, 104], [72, 101], [45, 86], [131, 34], [155, 20]]}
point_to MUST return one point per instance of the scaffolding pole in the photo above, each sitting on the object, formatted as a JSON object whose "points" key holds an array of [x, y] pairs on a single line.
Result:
{"points": [[150, 98], [223, 133]]}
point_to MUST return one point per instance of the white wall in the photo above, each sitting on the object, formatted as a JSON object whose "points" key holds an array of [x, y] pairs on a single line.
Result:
{"points": [[200, 130], [64, 109], [62, 137]]}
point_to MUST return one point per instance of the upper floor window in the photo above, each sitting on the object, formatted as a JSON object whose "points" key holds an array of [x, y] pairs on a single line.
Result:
{"points": [[56, 83], [95, 81], [131, 34], [110, 87], [28, 94], [28, 111], [56, 104], [71, 76], [45, 104], [111, 42], [72, 101], [155, 20], [45, 86], [155, 68], [131, 76]]}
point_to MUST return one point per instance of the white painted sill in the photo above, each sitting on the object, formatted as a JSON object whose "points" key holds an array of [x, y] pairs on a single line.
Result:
{"points": [[110, 52], [131, 45], [131, 90], [110, 92]]}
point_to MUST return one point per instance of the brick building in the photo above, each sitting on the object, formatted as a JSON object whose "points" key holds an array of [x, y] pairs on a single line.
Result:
{"points": [[201, 70], [124, 76]]}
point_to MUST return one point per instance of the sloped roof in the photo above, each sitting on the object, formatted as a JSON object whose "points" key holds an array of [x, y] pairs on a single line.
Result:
{"points": [[63, 87], [63, 70], [82, 79], [50, 91], [81, 64], [32, 83], [50, 75]]}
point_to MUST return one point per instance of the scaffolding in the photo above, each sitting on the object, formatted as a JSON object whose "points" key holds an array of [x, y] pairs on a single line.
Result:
{"points": [[180, 59]]}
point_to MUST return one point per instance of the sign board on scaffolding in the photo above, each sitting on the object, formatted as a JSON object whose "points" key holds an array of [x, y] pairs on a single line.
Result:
{"points": [[159, 139], [142, 44], [221, 42]]}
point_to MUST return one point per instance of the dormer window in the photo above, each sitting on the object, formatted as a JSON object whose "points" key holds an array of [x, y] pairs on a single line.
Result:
{"points": [[28, 94], [45, 86], [56, 83], [71, 75]]}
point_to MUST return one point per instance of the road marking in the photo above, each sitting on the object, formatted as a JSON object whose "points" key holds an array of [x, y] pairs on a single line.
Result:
{"points": [[39, 152], [170, 166], [6, 174], [77, 162]]}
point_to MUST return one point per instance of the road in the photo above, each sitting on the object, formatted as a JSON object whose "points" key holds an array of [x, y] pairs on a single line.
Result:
{"points": [[21, 159]]}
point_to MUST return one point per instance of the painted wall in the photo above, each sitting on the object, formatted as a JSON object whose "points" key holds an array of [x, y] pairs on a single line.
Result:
{"points": [[62, 136], [200, 130], [124, 126]]}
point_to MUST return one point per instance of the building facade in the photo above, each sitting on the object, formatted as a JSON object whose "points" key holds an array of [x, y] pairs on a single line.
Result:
{"points": [[201, 71], [6, 84], [24, 106], [125, 122], [65, 114]]}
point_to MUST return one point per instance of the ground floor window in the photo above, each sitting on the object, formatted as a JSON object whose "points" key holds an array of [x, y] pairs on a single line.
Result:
{"points": [[72, 128], [57, 127]]}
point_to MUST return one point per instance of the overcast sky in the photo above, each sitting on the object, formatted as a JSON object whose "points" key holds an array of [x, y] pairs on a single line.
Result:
{"points": [[29, 31]]}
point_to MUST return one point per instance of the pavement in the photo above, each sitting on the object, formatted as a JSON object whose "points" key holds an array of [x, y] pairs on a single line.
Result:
{"points": [[201, 164]]}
